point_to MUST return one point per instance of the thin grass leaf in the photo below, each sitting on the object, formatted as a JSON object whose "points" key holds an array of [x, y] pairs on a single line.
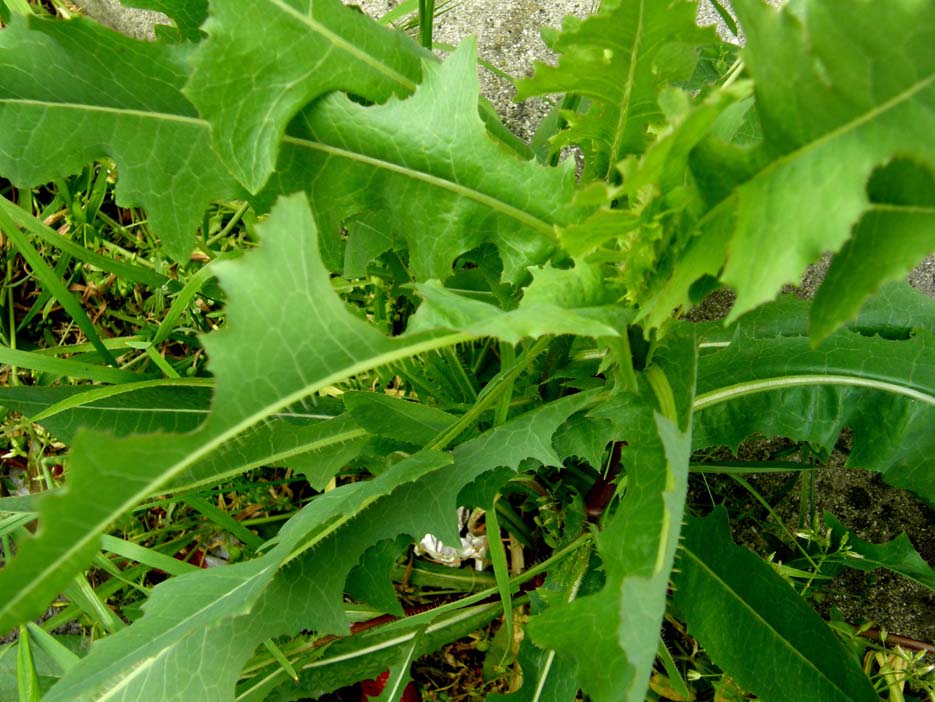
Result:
{"points": [[66, 368], [51, 282], [145, 556], [127, 271], [27, 680], [60, 654]]}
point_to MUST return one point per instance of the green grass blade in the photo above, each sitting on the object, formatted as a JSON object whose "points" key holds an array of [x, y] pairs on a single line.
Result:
{"points": [[80, 592], [66, 368], [225, 521], [27, 680], [502, 574], [182, 301], [46, 275], [125, 271], [146, 556], [60, 654]]}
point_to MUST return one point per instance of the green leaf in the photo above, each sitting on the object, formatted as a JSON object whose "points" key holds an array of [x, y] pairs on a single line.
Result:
{"points": [[659, 186], [756, 627], [368, 654], [884, 389], [302, 49], [442, 174], [258, 376], [206, 616], [548, 675], [837, 99], [620, 59], [248, 603], [127, 105], [370, 580], [396, 418], [612, 634], [897, 555], [902, 210], [27, 679], [58, 653], [50, 280], [188, 15], [313, 439], [443, 308], [130, 408], [66, 368]]}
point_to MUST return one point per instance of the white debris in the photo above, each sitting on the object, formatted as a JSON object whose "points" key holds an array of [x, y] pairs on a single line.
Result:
{"points": [[473, 542]]}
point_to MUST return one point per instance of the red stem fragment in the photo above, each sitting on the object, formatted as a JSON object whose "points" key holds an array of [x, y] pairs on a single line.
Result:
{"points": [[602, 492], [904, 641]]}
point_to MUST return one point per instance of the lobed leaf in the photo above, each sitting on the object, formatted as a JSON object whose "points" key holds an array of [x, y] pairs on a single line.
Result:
{"points": [[901, 210], [619, 58], [302, 49], [612, 634], [222, 618], [837, 99], [442, 174], [74, 92], [883, 389], [897, 555], [318, 341], [213, 620], [188, 15]]}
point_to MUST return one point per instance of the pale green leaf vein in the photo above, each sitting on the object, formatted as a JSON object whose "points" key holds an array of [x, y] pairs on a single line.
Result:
{"points": [[757, 616], [732, 392], [436, 181], [132, 498], [346, 46]]}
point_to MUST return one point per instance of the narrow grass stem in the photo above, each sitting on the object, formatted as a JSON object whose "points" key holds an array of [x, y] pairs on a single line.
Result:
{"points": [[500, 384]]}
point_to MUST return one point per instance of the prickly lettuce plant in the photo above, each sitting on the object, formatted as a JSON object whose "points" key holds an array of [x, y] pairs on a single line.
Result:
{"points": [[525, 316]]}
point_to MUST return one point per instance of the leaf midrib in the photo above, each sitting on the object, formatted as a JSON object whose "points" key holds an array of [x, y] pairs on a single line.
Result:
{"points": [[814, 144], [222, 438], [732, 392], [490, 201], [341, 43], [108, 109], [702, 565], [624, 106], [855, 123], [493, 203], [151, 660]]}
